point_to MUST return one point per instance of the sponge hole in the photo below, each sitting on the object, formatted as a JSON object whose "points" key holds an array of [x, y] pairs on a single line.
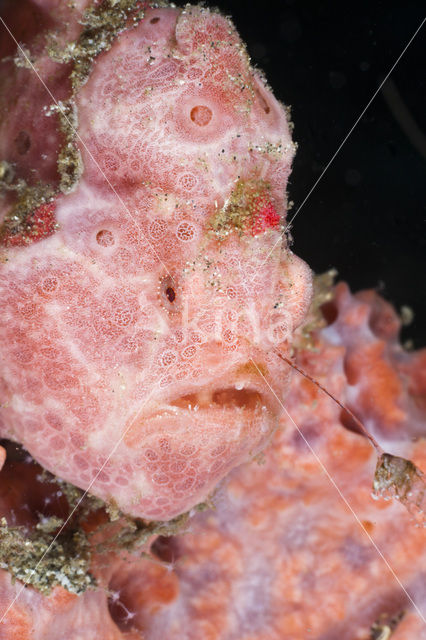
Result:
{"points": [[330, 312], [22, 143], [166, 549], [201, 115], [105, 238], [120, 605]]}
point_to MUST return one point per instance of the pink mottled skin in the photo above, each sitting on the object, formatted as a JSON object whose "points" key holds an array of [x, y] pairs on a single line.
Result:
{"points": [[129, 326]]}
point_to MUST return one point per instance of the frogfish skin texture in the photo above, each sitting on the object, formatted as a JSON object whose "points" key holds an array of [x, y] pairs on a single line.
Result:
{"points": [[144, 275]]}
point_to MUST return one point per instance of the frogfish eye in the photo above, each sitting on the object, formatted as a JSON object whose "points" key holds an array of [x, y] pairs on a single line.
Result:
{"points": [[169, 294]]}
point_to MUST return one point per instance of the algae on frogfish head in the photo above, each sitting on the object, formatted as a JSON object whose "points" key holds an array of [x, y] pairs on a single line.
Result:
{"points": [[399, 478]]}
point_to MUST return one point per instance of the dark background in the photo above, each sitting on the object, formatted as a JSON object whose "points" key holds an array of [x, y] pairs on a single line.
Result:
{"points": [[367, 216]]}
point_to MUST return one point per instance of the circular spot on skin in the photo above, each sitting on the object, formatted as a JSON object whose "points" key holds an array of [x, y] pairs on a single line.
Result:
{"points": [[201, 115], [179, 337], [160, 478], [110, 163], [105, 238], [22, 143], [155, 20], [164, 445], [29, 310], [187, 181], [216, 466], [49, 285], [77, 440], [185, 232], [177, 466], [23, 356], [185, 485], [122, 316], [188, 450], [165, 381], [157, 228], [167, 358], [189, 352], [218, 451], [57, 443], [53, 421], [229, 336], [102, 476], [232, 316], [81, 462]]}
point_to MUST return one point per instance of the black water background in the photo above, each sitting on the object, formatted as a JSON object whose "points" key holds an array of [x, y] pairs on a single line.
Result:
{"points": [[367, 216]]}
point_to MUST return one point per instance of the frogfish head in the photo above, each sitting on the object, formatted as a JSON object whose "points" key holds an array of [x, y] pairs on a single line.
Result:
{"points": [[137, 348]]}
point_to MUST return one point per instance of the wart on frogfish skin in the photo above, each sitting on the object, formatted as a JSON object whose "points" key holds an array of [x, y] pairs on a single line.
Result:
{"points": [[248, 209], [31, 224]]}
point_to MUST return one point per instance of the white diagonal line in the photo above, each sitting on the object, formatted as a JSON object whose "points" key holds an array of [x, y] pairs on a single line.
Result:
{"points": [[341, 144], [327, 473], [80, 139]]}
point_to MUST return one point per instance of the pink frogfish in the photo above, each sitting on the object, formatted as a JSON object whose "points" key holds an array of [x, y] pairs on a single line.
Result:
{"points": [[144, 272]]}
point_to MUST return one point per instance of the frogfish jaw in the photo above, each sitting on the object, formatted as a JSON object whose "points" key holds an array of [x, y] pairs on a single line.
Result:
{"points": [[193, 441]]}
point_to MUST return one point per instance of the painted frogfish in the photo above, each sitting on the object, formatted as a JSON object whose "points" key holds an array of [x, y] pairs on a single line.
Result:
{"points": [[144, 272]]}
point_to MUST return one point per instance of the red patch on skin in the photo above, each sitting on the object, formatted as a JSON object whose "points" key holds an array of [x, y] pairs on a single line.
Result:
{"points": [[39, 225], [265, 216]]}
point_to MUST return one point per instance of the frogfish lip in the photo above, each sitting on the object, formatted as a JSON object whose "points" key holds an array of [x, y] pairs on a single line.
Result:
{"points": [[187, 441], [222, 397], [239, 395]]}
